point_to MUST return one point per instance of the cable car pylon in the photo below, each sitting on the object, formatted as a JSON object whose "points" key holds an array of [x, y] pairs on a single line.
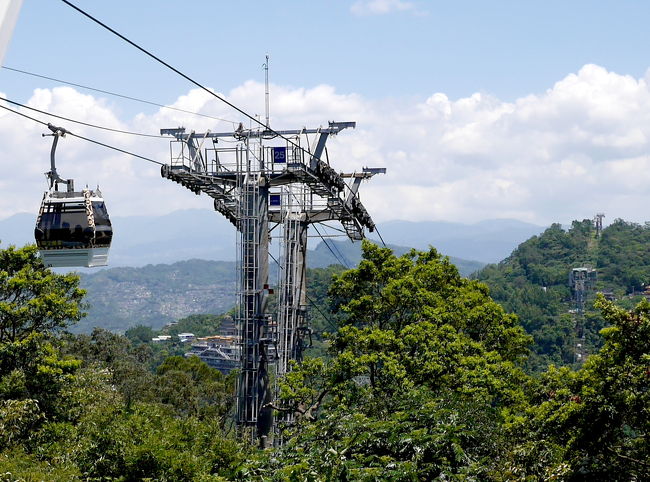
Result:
{"points": [[266, 184]]}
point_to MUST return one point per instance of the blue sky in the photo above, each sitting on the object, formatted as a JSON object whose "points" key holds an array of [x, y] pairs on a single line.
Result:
{"points": [[505, 48], [478, 109]]}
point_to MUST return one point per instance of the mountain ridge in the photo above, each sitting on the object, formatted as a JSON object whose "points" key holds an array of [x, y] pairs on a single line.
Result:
{"points": [[534, 283], [204, 234]]}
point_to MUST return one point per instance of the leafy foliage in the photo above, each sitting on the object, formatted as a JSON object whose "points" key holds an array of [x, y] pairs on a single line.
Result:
{"points": [[597, 420], [88, 407], [423, 363], [107, 416], [423, 381], [533, 283], [624, 255], [33, 298], [34, 303], [200, 325]]}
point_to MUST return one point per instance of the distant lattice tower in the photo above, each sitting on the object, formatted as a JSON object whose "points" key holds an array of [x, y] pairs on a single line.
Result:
{"points": [[598, 223], [581, 280]]}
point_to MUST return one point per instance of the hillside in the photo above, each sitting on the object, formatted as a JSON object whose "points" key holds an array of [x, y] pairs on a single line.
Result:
{"points": [[120, 298], [152, 295], [533, 282], [349, 254]]}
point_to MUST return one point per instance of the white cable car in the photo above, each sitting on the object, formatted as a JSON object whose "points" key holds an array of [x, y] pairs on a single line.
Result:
{"points": [[73, 227]]}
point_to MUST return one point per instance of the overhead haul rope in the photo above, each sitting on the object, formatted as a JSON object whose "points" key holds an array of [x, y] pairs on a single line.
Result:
{"points": [[191, 80], [339, 257], [187, 77], [80, 122], [174, 69], [325, 317], [108, 146], [115, 94]]}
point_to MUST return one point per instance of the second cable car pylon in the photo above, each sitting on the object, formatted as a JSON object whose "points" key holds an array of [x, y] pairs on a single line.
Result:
{"points": [[265, 182], [72, 228]]}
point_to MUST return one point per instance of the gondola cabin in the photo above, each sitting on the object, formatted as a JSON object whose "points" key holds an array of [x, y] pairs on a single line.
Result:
{"points": [[73, 229]]}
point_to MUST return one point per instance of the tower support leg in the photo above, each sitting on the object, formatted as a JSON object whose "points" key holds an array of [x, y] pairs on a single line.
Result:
{"points": [[257, 340]]}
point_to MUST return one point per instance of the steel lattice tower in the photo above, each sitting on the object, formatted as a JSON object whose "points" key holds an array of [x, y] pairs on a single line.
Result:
{"points": [[260, 181]]}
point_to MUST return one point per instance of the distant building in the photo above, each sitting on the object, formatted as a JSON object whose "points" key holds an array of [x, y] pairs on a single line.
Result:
{"points": [[161, 338], [609, 295], [219, 351], [186, 337]]}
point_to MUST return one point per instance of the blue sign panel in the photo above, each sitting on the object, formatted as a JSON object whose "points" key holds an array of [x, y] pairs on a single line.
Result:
{"points": [[279, 154], [274, 200]]}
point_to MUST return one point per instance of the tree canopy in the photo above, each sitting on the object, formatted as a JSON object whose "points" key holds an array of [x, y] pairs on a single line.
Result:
{"points": [[424, 361], [533, 282], [32, 298], [423, 380], [596, 421]]}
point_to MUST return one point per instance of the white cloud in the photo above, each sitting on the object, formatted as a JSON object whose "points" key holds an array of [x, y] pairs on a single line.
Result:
{"points": [[581, 147], [380, 7]]}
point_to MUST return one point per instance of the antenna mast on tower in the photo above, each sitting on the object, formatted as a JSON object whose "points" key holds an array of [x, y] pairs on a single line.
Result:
{"points": [[267, 102]]}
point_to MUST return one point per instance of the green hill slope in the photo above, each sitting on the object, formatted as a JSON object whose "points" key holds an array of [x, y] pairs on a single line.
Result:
{"points": [[348, 253], [120, 298], [534, 283], [152, 295]]}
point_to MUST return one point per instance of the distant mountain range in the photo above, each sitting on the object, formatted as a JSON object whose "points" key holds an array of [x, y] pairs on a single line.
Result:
{"points": [[204, 234], [167, 267], [348, 254], [152, 295], [486, 241]]}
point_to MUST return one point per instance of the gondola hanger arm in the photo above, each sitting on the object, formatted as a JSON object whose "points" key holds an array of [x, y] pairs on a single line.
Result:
{"points": [[52, 175]]}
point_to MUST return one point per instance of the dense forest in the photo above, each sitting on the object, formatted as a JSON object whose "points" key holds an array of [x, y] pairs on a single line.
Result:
{"points": [[533, 282], [423, 376]]}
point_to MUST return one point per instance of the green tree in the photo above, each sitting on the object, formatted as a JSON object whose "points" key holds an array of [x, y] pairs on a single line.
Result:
{"points": [[87, 407], [193, 388], [33, 298], [624, 254], [595, 422], [150, 442], [34, 379], [388, 292], [533, 283], [127, 364], [140, 334], [199, 325], [421, 376]]}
